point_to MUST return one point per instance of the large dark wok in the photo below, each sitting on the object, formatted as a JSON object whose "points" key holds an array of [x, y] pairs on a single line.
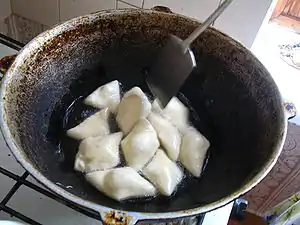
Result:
{"points": [[237, 101]]}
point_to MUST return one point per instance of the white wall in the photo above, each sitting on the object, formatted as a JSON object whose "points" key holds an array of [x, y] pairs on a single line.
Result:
{"points": [[199, 9], [72, 8], [261, 33], [42, 11], [243, 19], [5, 11], [51, 12]]}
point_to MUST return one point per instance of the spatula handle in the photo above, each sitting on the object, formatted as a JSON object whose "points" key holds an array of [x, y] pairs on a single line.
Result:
{"points": [[186, 43]]}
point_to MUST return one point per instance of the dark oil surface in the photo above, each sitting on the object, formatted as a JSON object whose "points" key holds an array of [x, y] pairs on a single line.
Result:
{"points": [[77, 111], [71, 111]]}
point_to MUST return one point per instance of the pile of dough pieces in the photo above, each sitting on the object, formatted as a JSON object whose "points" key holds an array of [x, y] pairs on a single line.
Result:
{"points": [[151, 139]]}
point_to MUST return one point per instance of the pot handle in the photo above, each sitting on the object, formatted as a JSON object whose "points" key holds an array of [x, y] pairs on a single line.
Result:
{"points": [[119, 218], [5, 63], [161, 8]]}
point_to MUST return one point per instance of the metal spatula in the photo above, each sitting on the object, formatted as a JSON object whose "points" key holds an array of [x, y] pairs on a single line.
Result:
{"points": [[176, 61]]}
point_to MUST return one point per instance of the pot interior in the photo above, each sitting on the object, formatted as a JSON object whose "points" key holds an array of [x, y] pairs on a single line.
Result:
{"points": [[237, 102]]}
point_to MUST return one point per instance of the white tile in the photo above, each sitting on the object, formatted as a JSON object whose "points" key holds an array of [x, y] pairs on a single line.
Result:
{"points": [[243, 18], [122, 5], [34, 181], [5, 9], [219, 216], [5, 51], [137, 3], [7, 161], [5, 185], [73, 8], [45, 12], [199, 9], [45, 210], [6, 216], [3, 27]]}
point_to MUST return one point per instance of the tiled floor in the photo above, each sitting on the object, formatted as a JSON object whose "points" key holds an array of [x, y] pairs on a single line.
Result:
{"points": [[5, 216], [287, 78], [30, 202], [5, 185]]}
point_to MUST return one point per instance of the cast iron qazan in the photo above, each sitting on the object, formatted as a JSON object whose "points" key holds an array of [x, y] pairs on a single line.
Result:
{"points": [[237, 101]]}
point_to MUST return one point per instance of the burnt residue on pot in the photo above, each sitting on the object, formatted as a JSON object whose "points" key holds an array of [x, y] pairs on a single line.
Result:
{"points": [[160, 8], [234, 96], [6, 62]]}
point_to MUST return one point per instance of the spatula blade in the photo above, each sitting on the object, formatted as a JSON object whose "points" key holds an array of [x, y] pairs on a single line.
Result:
{"points": [[171, 69]]}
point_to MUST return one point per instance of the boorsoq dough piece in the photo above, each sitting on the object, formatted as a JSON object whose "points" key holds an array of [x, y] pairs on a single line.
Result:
{"points": [[163, 173], [98, 153], [106, 96], [168, 135], [193, 151], [140, 144], [95, 125], [134, 106], [121, 183]]}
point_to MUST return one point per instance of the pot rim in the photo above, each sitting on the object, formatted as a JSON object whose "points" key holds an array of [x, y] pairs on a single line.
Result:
{"points": [[135, 216]]}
